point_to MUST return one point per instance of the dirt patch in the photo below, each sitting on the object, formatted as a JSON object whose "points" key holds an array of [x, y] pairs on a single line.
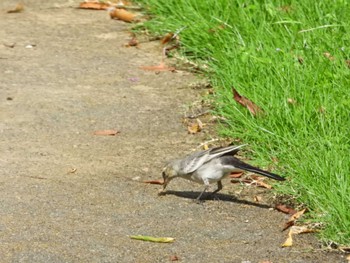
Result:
{"points": [[68, 195]]}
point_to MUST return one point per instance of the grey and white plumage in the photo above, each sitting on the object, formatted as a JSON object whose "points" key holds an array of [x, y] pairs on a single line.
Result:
{"points": [[210, 166]]}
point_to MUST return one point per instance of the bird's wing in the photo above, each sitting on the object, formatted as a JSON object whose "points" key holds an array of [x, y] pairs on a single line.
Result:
{"points": [[234, 163], [192, 162]]}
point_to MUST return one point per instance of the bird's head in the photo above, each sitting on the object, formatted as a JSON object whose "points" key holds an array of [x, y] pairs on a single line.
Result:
{"points": [[169, 172]]}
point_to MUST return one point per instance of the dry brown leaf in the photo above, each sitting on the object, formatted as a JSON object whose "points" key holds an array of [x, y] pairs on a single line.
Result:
{"points": [[167, 38], [122, 14], [251, 106], [174, 258], [160, 67], [291, 221], [263, 185], [217, 28], [296, 230], [19, 8], [285, 209], [97, 5], [236, 175], [347, 62], [301, 60], [161, 182], [132, 42], [195, 127], [235, 181], [107, 132]]}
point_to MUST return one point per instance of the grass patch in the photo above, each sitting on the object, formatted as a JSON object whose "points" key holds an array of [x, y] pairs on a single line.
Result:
{"points": [[290, 58]]}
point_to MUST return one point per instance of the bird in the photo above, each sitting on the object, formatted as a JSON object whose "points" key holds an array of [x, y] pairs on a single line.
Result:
{"points": [[210, 166]]}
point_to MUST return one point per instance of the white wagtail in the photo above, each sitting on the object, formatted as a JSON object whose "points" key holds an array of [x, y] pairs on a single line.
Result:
{"points": [[210, 166]]}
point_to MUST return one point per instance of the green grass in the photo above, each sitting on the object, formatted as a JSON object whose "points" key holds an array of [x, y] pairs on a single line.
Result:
{"points": [[257, 46]]}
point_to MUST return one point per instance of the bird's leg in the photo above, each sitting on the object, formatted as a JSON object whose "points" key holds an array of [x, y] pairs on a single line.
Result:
{"points": [[198, 199], [219, 188], [206, 183]]}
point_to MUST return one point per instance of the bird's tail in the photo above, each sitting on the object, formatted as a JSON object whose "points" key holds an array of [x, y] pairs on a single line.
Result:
{"points": [[230, 160]]}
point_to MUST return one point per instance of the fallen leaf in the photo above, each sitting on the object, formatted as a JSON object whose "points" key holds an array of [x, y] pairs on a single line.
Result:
{"points": [[296, 230], [322, 109], [97, 5], [300, 60], [106, 132], [122, 14], [195, 127], [154, 239], [133, 42], [236, 175], [291, 221], [328, 55], [235, 181], [286, 8], [19, 8], [285, 209], [251, 106], [167, 38], [291, 101], [161, 182], [347, 62], [160, 67], [174, 258], [263, 185], [289, 240], [217, 28]]}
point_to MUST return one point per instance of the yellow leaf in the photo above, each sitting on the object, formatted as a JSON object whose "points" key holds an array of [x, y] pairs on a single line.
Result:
{"points": [[295, 230], [289, 240], [154, 239]]}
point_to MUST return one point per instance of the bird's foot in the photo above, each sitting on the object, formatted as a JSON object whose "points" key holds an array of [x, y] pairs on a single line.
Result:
{"points": [[162, 192], [198, 201]]}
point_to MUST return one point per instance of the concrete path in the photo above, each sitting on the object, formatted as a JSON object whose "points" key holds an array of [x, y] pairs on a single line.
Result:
{"points": [[70, 196]]}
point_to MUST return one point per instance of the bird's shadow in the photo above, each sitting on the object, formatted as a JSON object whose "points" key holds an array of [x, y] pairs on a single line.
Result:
{"points": [[217, 196]]}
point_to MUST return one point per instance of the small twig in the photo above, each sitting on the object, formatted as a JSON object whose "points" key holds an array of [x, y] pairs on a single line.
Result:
{"points": [[194, 116], [206, 142]]}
